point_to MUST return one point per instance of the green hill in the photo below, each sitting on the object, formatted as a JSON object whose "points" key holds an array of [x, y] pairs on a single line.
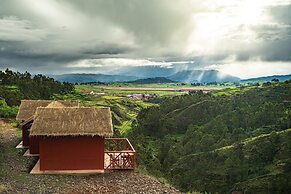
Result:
{"points": [[155, 80], [124, 111], [232, 140]]}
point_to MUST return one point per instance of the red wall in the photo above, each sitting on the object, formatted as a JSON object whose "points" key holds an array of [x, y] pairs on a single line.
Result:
{"points": [[34, 144], [71, 153], [25, 135]]}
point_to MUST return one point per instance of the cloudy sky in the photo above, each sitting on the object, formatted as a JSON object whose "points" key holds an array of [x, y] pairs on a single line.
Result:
{"points": [[245, 38]]}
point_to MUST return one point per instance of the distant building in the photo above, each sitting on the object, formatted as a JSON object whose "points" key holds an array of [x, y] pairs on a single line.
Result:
{"points": [[140, 96]]}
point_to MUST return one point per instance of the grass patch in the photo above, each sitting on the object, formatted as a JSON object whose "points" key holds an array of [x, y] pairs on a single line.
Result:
{"points": [[22, 177], [125, 128]]}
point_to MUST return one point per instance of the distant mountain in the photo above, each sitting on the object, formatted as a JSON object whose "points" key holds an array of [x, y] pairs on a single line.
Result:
{"points": [[155, 80], [82, 78], [147, 71], [269, 78], [157, 75], [201, 76]]}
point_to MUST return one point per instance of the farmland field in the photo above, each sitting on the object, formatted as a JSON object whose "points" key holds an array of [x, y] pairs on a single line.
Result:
{"points": [[159, 89]]}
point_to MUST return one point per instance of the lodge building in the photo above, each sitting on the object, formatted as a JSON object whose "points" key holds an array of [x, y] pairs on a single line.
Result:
{"points": [[72, 139]]}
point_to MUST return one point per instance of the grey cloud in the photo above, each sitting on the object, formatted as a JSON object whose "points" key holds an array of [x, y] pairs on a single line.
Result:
{"points": [[281, 13], [152, 22], [154, 29]]}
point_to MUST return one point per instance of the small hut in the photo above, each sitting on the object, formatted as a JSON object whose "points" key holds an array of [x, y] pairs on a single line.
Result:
{"points": [[26, 112], [34, 140], [72, 139]]}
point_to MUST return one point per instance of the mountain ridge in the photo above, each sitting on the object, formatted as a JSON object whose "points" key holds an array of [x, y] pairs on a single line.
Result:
{"points": [[268, 78], [84, 77], [203, 76], [188, 76], [154, 80]]}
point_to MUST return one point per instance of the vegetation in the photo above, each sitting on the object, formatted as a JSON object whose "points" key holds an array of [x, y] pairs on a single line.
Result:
{"points": [[15, 86], [7, 111], [236, 139], [124, 111], [125, 91]]}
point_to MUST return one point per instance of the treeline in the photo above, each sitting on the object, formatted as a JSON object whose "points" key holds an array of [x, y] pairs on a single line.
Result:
{"points": [[15, 86], [232, 140]]}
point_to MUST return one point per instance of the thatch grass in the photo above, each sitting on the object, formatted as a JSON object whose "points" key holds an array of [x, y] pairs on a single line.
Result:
{"points": [[72, 122], [28, 107], [30, 119], [56, 104]]}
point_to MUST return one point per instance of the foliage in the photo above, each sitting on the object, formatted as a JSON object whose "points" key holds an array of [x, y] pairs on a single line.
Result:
{"points": [[7, 111], [236, 139], [15, 86], [124, 111]]}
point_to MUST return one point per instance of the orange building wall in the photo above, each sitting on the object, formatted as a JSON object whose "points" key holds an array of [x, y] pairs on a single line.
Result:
{"points": [[71, 153]]}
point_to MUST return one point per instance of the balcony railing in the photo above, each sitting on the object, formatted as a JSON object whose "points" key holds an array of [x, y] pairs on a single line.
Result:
{"points": [[119, 154]]}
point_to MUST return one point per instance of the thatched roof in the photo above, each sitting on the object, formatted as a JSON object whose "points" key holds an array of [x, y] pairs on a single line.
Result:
{"points": [[55, 104], [72, 122], [30, 119], [28, 107]]}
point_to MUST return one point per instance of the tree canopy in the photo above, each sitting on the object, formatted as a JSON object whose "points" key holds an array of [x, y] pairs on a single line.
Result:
{"points": [[235, 139]]}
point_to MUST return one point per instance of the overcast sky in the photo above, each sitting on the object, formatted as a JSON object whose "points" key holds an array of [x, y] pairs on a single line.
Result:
{"points": [[245, 38]]}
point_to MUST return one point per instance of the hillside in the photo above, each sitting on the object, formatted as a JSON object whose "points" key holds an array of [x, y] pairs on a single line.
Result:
{"points": [[146, 71], [202, 76], [15, 86], [231, 140], [15, 177], [269, 78], [84, 78], [124, 111], [155, 80]]}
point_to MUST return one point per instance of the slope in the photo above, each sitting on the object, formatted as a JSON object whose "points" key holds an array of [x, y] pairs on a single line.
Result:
{"points": [[218, 142]]}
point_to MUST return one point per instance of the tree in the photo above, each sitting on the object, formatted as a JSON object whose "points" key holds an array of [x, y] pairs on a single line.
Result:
{"points": [[275, 80]]}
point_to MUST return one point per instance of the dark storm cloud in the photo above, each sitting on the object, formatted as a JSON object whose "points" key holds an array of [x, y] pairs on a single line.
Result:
{"points": [[151, 22], [69, 35]]}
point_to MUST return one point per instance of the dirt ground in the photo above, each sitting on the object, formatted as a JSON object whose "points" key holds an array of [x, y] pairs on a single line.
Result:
{"points": [[15, 177]]}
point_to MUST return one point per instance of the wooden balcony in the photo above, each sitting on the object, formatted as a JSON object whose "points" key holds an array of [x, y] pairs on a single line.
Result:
{"points": [[119, 154]]}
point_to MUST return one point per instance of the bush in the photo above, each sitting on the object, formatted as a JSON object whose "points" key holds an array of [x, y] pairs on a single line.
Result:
{"points": [[7, 111]]}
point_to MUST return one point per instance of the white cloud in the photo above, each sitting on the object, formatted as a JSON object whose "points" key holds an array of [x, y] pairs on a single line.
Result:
{"points": [[250, 69], [117, 62], [14, 29]]}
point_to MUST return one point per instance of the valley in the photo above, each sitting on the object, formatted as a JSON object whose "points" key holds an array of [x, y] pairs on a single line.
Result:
{"points": [[210, 138], [15, 177], [147, 89], [148, 96]]}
